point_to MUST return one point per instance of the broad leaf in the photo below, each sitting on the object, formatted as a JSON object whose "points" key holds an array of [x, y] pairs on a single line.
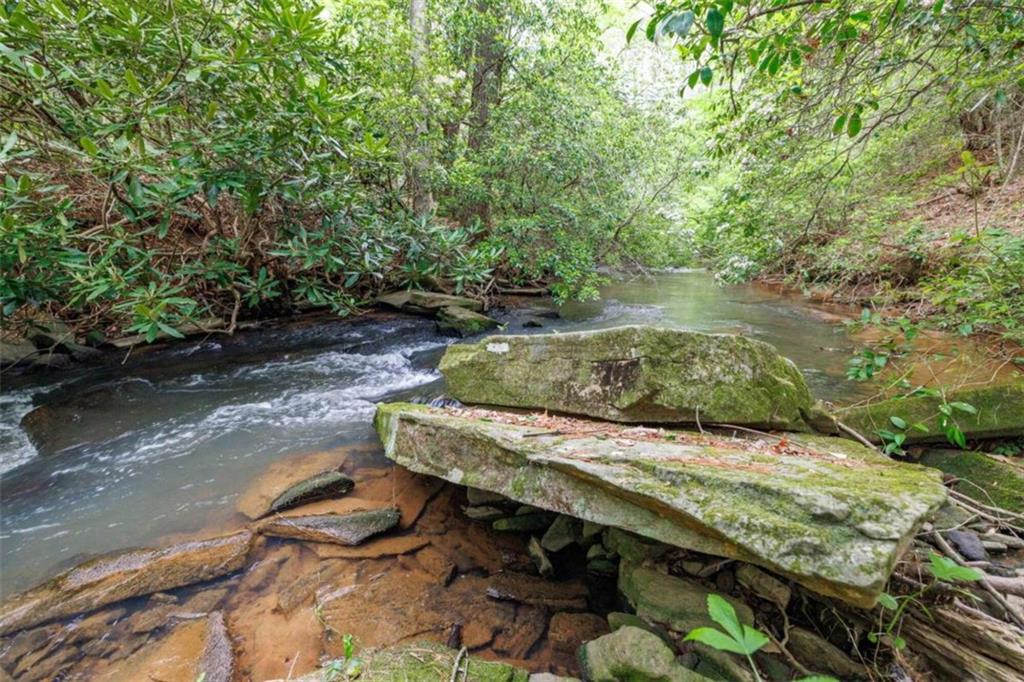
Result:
{"points": [[947, 570]]}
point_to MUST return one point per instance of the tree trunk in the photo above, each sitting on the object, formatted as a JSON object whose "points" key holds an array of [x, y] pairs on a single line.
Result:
{"points": [[417, 183], [487, 63]]}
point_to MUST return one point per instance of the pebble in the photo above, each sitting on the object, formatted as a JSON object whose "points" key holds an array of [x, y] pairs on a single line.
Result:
{"points": [[968, 544]]}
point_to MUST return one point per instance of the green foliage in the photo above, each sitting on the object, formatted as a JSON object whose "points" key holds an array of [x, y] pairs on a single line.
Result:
{"points": [[737, 637], [166, 163]]}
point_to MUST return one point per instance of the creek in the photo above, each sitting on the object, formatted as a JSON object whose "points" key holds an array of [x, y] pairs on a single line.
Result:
{"points": [[164, 443]]}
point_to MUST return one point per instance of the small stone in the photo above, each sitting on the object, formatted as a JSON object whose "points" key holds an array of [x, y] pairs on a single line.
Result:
{"points": [[563, 532], [476, 496], [764, 585], [991, 546], [518, 637], [817, 653], [604, 567], [484, 513], [618, 619], [598, 551], [591, 529], [968, 544], [630, 653], [523, 524], [539, 557], [322, 486]]}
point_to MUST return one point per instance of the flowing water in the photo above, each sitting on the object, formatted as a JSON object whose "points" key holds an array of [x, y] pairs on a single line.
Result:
{"points": [[165, 443]]}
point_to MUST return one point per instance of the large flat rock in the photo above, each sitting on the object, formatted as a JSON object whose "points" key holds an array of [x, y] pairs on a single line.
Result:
{"points": [[123, 575], [634, 374], [998, 413], [827, 512]]}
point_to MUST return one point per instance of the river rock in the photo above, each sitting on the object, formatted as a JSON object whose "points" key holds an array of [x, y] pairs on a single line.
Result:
{"points": [[322, 486], [14, 349], [999, 413], [563, 532], [680, 604], [828, 512], [819, 654], [123, 575], [534, 591], [340, 529], [427, 302], [634, 374], [632, 654], [292, 481], [968, 544], [463, 321]]}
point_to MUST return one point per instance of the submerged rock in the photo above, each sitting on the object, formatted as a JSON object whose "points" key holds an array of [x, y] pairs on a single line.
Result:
{"points": [[340, 529], [827, 512], [634, 374], [464, 322], [414, 301], [296, 480], [217, 664], [322, 486], [630, 653], [998, 412], [123, 575]]}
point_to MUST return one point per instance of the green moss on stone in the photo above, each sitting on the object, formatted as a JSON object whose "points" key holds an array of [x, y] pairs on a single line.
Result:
{"points": [[993, 481]]}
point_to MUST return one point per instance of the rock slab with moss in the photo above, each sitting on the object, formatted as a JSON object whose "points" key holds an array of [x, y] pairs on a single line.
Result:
{"points": [[427, 302], [828, 512], [634, 374], [995, 412]]}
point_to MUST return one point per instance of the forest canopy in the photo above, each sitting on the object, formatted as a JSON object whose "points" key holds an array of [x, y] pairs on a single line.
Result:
{"points": [[175, 162]]}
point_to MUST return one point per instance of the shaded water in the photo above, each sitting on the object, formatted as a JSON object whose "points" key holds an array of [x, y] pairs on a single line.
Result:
{"points": [[167, 442]]}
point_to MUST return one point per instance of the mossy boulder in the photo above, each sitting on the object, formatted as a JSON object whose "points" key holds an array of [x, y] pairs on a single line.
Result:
{"points": [[828, 512], [632, 654], [983, 477], [999, 413], [634, 374], [463, 321]]}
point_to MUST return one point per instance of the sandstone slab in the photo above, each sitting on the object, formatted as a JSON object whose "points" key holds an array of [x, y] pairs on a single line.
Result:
{"points": [[634, 374], [123, 575], [340, 529], [827, 512]]}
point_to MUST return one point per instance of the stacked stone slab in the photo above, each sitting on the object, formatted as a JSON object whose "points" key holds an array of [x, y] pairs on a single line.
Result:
{"points": [[830, 513]]}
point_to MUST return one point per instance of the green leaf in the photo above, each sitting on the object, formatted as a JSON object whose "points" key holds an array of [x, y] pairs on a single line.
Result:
{"points": [[898, 422], [89, 146], [837, 128], [853, 125], [632, 30], [692, 80], [716, 639], [715, 23], [887, 601], [193, 75], [947, 570], [705, 75], [724, 614], [132, 83], [964, 407]]}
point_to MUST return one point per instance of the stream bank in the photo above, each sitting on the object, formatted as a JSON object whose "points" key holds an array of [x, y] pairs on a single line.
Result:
{"points": [[311, 379]]}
